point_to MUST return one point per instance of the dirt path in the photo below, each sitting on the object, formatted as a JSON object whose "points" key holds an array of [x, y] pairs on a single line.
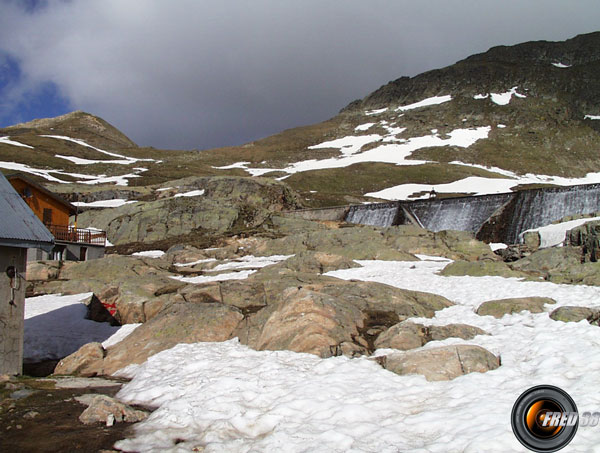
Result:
{"points": [[40, 415]]}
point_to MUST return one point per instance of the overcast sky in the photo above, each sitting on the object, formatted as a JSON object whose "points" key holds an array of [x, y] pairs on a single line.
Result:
{"points": [[195, 74]]}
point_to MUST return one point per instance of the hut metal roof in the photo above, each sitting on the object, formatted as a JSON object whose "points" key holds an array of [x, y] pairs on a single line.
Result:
{"points": [[19, 226]]}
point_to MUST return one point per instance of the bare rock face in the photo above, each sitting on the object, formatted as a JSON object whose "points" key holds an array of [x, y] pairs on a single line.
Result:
{"points": [[499, 308], [104, 409], [407, 335], [179, 323], [444, 363], [87, 361]]}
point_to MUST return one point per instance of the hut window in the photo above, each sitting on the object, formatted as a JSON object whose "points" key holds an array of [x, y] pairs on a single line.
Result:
{"points": [[47, 216]]}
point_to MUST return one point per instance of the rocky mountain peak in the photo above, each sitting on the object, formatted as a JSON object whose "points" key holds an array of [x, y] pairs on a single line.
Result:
{"points": [[79, 124]]}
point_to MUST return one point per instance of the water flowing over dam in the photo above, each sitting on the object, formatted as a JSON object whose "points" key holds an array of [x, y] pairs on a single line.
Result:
{"points": [[492, 218]]}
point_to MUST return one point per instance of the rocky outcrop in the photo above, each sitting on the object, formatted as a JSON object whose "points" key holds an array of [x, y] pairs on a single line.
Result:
{"points": [[561, 265], [393, 243], [587, 236], [499, 308], [228, 203], [442, 364], [327, 316]]}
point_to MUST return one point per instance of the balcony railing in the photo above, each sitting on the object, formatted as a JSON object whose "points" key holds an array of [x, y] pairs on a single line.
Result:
{"points": [[78, 235]]}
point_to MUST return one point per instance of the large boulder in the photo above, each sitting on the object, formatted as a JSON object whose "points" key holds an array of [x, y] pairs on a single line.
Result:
{"points": [[499, 308], [87, 361], [576, 314], [480, 269], [408, 335], [179, 323], [442, 364], [104, 409], [307, 321]]}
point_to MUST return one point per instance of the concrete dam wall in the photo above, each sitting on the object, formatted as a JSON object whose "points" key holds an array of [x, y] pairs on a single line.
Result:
{"points": [[492, 218]]}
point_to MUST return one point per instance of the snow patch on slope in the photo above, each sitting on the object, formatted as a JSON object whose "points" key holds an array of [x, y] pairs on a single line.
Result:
{"points": [[435, 100], [8, 141]]}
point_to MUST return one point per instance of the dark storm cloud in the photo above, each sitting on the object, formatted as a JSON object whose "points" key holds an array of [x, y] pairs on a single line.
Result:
{"points": [[199, 74]]}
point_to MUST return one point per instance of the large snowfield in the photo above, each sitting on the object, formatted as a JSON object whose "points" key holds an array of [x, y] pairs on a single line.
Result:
{"points": [[228, 398]]}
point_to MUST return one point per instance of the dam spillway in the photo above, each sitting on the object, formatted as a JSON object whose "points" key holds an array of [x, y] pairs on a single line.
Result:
{"points": [[492, 218]]}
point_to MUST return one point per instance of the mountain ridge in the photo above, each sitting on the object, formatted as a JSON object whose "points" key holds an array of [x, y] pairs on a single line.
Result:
{"points": [[507, 113]]}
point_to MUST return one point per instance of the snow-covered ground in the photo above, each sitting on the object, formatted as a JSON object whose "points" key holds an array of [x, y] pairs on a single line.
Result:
{"points": [[55, 326], [228, 398]]}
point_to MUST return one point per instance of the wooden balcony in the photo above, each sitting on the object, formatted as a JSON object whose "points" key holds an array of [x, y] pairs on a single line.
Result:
{"points": [[78, 235]]}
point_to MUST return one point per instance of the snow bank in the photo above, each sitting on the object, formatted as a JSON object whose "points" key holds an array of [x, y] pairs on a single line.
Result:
{"points": [[552, 235], [55, 326]]}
